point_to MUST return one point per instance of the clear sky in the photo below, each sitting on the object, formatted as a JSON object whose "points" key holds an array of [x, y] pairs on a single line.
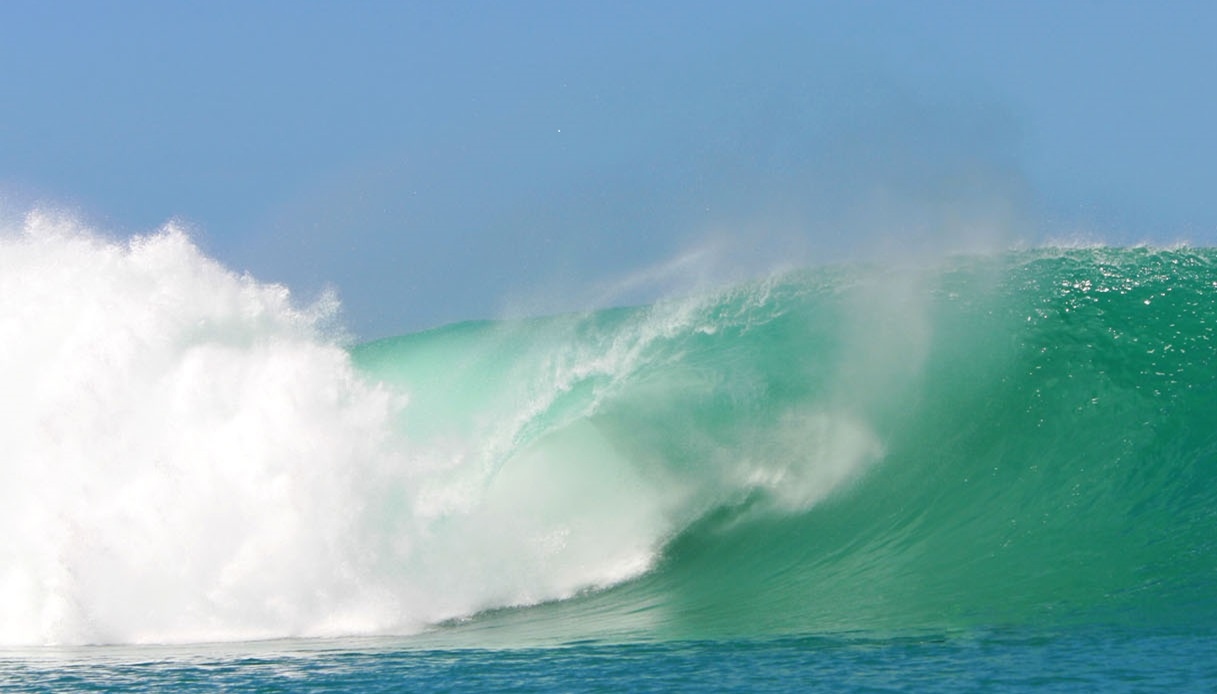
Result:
{"points": [[445, 160]]}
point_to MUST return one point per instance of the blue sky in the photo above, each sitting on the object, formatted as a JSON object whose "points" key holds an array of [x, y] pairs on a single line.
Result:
{"points": [[438, 161]]}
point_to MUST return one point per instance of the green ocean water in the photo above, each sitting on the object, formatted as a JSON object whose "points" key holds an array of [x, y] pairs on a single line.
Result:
{"points": [[1026, 439], [979, 473]]}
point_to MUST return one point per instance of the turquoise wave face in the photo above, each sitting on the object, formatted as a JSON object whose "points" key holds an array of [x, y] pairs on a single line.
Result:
{"points": [[1014, 439], [1021, 439]]}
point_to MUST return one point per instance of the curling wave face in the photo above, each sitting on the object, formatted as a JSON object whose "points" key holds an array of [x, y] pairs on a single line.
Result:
{"points": [[188, 455]]}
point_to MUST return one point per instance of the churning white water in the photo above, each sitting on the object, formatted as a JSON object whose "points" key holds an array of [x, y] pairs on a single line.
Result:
{"points": [[186, 455]]}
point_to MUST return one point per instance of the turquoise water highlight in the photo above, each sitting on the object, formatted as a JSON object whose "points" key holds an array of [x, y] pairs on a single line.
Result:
{"points": [[1028, 439]]}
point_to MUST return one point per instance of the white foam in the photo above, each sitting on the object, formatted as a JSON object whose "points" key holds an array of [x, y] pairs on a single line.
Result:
{"points": [[188, 457]]}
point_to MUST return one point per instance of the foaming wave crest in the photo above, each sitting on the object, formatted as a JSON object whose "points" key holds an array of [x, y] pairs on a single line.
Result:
{"points": [[183, 448], [189, 455]]}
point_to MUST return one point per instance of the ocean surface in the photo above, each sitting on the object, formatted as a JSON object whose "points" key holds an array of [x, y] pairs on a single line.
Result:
{"points": [[973, 472]]}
